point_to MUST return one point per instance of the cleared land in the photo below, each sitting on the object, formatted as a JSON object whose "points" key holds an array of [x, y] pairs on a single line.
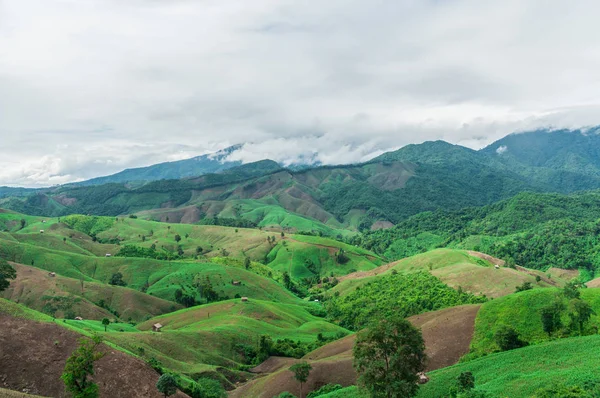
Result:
{"points": [[447, 334], [33, 357]]}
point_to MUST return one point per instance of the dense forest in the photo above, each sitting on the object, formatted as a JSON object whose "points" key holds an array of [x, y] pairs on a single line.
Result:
{"points": [[533, 230]]}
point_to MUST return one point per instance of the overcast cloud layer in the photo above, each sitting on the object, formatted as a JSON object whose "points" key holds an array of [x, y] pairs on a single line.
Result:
{"points": [[90, 87]]}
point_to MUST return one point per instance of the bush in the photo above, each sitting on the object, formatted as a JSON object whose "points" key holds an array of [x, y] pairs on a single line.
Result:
{"points": [[326, 389], [207, 388], [507, 338]]}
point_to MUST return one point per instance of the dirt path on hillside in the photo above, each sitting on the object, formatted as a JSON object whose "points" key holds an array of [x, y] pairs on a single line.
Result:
{"points": [[447, 334], [33, 356]]}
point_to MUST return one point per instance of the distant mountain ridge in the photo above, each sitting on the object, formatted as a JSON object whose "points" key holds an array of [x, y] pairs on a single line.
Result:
{"points": [[389, 188], [193, 167]]}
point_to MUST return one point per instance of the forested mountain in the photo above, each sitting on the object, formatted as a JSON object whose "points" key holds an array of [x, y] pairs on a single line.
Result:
{"points": [[381, 192], [531, 229], [196, 166]]}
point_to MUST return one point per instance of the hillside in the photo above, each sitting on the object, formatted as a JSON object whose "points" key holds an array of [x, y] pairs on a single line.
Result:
{"points": [[353, 196], [38, 351], [447, 334], [517, 373], [537, 231], [67, 297], [471, 271]]}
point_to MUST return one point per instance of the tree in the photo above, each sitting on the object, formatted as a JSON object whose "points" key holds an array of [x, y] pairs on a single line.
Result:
{"points": [[80, 365], [507, 338], [301, 371], [117, 280], [523, 287], [465, 381], [247, 262], [23, 223], [388, 354], [551, 321], [580, 312], [105, 322], [177, 238], [571, 290], [6, 272], [167, 384]]}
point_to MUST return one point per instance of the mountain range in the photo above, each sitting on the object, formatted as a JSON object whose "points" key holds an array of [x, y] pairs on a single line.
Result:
{"points": [[381, 192]]}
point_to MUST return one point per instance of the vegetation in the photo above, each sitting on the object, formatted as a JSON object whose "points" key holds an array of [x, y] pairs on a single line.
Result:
{"points": [[387, 357], [167, 384], [301, 371], [395, 294], [6, 272], [80, 365]]}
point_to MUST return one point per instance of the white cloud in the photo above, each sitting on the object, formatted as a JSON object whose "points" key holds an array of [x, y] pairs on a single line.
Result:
{"points": [[501, 149], [88, 87]]}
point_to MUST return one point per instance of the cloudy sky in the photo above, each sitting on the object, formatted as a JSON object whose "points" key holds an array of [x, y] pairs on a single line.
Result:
{"points": [[90, 87]]}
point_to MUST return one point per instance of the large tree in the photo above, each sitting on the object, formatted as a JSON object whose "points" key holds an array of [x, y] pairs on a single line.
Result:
{"points": [[301, 371], [79, 366], [167, 384], [6, 272], [388, 354]]}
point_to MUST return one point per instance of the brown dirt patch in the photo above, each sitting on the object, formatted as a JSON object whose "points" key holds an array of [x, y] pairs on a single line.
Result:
{"points": [[447, 334], [377, 225], [593, 283], [33, 356], [566, 274]]}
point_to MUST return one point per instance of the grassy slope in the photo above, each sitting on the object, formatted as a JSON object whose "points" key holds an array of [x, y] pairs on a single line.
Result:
{"points": [[519, 373], [455, 268], [195, 337], [522, 312], [285, 254], [35, 289]]}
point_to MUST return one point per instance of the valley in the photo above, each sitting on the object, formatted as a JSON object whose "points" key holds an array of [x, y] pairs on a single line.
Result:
{"points": [[228, 280]]}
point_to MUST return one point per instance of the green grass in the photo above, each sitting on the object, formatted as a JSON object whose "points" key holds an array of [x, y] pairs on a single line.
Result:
{"points": [[457, 269], [205, 335], [91, 326], [519, 373], [20, 311], [522, 312]]}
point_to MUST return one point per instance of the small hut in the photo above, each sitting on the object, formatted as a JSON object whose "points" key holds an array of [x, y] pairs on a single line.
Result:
{"points": [[236, 283], [52, 274], [157, 327], [78, 318], [497, 266], [423, 378], [244, 299], [41, 231], [108, 255]]}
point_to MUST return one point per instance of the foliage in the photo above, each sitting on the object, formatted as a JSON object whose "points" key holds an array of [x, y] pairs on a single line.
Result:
{"points": [[207, 388], [523, 287], [326, 389], [79, 366], [387, 357], [167, 384], [105, 322], [117, 280], [6, 272], [507, 338], [531, 229], [400, 294], [301, 371]]}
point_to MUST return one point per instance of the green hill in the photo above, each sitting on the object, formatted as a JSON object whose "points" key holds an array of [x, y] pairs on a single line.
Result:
{"points": [[537, 231], [470, 271]]}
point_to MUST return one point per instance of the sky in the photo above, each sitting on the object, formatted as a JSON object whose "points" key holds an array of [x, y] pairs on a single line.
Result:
{"points": [[91, 87]]}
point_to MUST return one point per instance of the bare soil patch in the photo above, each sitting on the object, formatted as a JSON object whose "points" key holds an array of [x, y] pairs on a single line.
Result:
{"points": [[33, 356]]}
